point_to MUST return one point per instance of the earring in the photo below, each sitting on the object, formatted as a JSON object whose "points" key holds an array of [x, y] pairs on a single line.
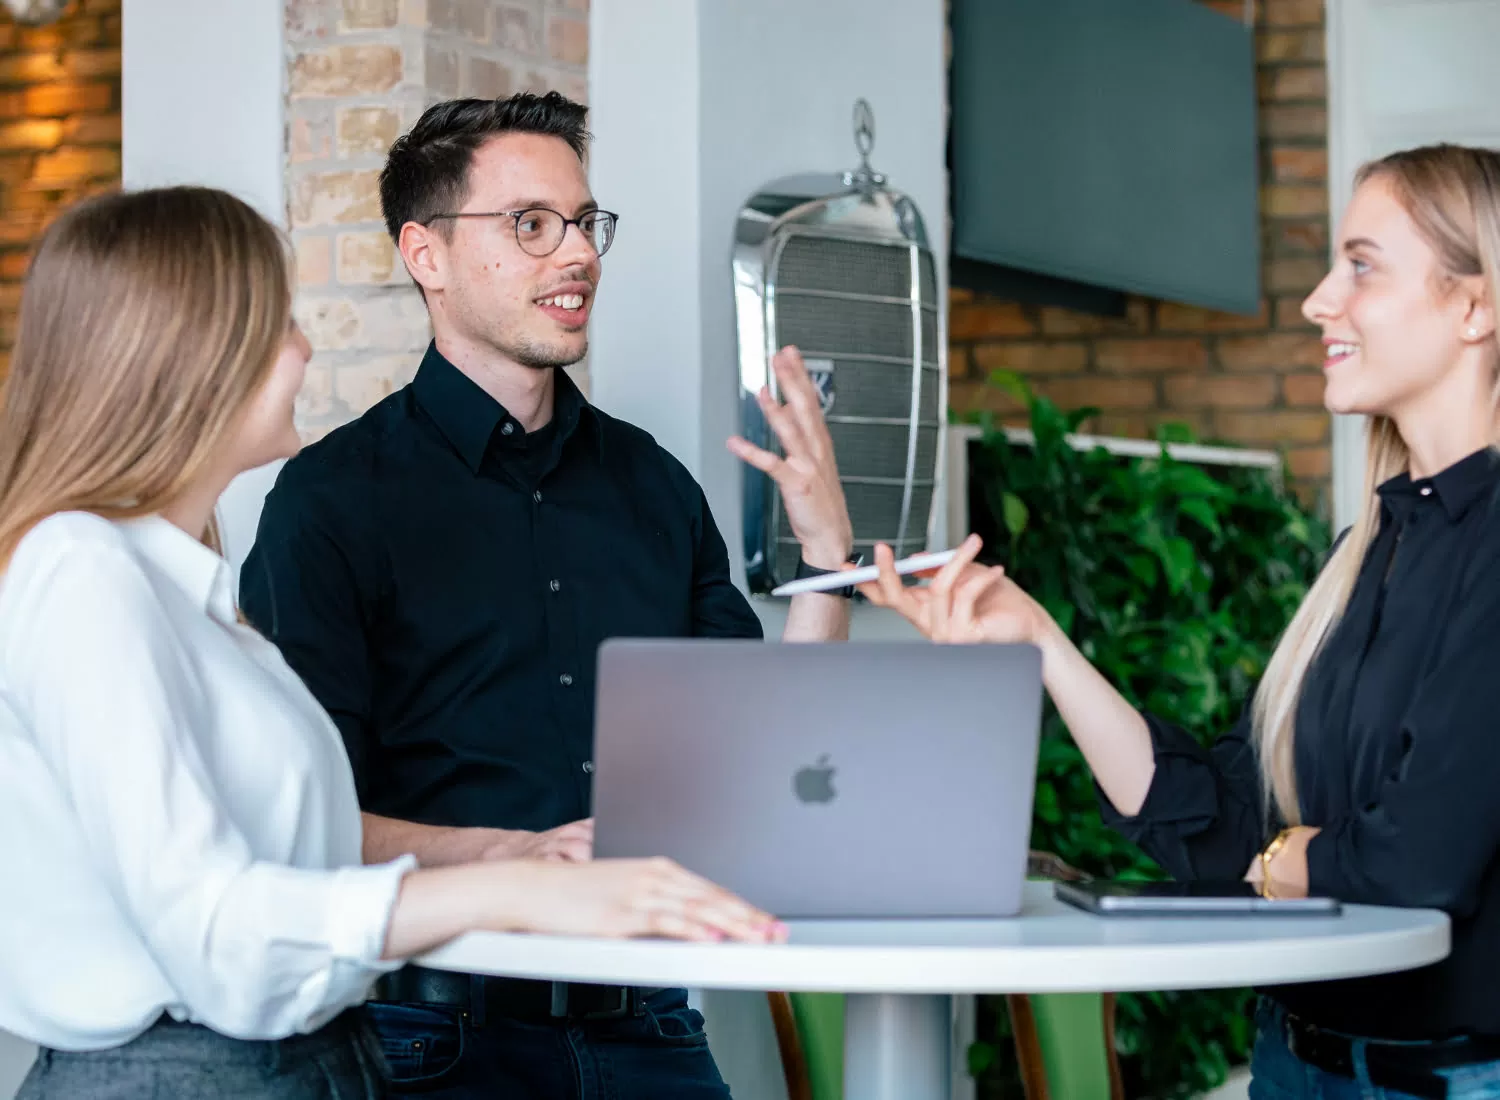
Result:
{"points": [[1473, 334]]}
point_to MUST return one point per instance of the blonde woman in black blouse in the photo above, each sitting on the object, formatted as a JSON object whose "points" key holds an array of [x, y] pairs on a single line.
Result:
{"points": [[1368, 767]]}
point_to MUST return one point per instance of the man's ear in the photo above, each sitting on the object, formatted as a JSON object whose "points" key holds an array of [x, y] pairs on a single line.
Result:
{"points": [[423, 251]]}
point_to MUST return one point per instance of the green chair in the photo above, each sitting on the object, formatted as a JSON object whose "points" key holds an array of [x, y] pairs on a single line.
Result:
{"points": [[820, 1023], [1065, 1044], [1064, 1041]]}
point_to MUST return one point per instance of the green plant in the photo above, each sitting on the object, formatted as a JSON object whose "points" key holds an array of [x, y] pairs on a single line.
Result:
{"points": [[1175, 580]]}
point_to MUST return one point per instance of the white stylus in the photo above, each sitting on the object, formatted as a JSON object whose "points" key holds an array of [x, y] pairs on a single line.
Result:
{"points": [[917, 563]]}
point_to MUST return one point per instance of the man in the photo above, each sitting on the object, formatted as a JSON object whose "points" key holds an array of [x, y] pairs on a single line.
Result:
{"points": [[442, 571]]}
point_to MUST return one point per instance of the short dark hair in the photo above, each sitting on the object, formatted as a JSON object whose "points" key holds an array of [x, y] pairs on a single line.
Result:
{"points": [[427, 169]]}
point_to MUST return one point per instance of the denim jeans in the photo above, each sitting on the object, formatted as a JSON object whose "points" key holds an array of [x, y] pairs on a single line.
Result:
{"points": [[1277, 1074], [664, 1052]]}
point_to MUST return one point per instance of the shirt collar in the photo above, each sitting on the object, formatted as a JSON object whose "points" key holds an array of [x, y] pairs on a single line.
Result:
{"points": [[191, 565], [1457, 488], [469, 417]]}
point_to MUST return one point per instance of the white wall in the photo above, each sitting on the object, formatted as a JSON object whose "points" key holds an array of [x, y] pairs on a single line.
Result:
{"points": [[195, 112], [694, 105], [203, 97]]}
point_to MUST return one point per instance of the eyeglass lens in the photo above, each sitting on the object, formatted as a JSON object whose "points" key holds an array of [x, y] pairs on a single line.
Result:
{"points": [[541, 232]]}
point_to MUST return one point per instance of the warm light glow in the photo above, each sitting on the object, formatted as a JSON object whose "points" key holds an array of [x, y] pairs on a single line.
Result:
{"points": [[36, 11]]}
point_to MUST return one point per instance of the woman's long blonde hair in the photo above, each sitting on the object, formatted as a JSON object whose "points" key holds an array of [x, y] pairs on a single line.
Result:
{"points": [[148, 320], [1452, 193]]}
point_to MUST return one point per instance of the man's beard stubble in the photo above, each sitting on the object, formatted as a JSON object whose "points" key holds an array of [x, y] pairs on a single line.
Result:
{"points": [[542, 356]]}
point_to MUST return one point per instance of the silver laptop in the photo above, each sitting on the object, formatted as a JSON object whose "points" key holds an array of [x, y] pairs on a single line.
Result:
{"points": [[839, 780]]}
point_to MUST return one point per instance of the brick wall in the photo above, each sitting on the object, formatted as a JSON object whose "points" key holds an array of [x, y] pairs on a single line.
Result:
{"points": [[359, 73], [59, 130], [1249, 380]]}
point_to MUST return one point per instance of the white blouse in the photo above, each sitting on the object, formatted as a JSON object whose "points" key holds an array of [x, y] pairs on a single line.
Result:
{"points": [[178, 824]]}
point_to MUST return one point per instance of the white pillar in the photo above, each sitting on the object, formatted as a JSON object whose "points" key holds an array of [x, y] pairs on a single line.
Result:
{"points": [[644, 112], [195, 111], [695, 105], [202, 91]]}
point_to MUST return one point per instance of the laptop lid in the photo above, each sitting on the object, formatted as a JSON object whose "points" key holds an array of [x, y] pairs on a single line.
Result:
{"points": [[833, 780]]}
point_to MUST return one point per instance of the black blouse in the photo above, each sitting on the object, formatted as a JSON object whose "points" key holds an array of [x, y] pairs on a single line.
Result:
{"points": [[1398, 762]]}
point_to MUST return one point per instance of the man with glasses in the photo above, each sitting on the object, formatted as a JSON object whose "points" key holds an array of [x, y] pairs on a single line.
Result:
{"points": [[442, 571]]}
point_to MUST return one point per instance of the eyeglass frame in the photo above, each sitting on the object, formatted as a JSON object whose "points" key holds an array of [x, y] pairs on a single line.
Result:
{"points": [[567, 221]]}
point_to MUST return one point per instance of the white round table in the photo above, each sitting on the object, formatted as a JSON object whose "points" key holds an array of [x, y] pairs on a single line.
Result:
{"points": [[900, 975]]}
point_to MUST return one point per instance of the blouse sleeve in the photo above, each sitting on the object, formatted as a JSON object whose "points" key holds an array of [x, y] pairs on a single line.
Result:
{"points": [[1202, 818], [253, 949]]}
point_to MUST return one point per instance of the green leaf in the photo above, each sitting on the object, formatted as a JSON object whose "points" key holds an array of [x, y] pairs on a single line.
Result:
{"points": [[1047, 807], [1182, 479], [1178, 560], [1143, 567], [1013, 384], [1064, 616], [982, 1056], [1074, 420], [1202, 512], [1175, 433], [1016, 513]]}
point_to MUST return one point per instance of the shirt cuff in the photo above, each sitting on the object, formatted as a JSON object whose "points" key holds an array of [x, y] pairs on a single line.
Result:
{"points": [[1324, 878], [359, 911], [1183, 792]]}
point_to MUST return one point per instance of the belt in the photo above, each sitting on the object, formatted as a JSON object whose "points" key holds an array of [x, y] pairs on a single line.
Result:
{"points": [[478, 998], [1405, 1067]]}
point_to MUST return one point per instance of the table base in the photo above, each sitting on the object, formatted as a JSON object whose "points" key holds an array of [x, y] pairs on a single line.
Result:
{"points": [[897, 1046]]}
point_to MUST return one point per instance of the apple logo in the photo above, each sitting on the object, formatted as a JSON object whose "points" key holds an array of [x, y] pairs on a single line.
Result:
{"points": [[815, 783]]}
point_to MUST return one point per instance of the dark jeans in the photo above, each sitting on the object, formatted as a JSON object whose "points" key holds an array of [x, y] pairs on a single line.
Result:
{"points": [[1277, 1074], [661, 1053], [171, 1060]]}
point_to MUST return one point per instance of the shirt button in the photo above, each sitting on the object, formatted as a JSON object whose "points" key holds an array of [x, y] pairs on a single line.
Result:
{"points": [[1427, 490], [537, 496], [556, 586], [588, 767], [508, 428], [566, 679]]}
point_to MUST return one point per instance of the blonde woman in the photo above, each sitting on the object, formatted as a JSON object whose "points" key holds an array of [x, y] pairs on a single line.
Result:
{"points": [[184, 911], [1368, 767]]}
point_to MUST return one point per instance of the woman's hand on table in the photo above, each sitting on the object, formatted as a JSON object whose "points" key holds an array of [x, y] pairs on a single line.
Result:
{"points": [[1288, 866], [627, 898]]}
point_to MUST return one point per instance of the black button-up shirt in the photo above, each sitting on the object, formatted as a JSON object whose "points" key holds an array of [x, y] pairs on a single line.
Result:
{"points": [[1397, 749], [442, 581]]}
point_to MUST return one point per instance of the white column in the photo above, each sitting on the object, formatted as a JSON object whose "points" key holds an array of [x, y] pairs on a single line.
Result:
{"points": [[202, 90], [695, 104], [197, 112], [646, 342]]}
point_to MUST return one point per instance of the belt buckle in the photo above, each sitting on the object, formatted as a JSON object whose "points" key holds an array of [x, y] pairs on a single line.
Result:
{"points": [[562, 1009]]}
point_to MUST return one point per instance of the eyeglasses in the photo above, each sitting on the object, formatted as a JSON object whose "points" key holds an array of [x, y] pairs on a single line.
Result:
{"points": [[540, 231]]}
